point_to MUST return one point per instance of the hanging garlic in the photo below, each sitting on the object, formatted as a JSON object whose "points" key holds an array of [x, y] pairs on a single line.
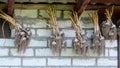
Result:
{"points": [[22, 35], [108, 29], [98, 39], [79, 44], [57, 35], [22, 38], [53, 46], [113, 32]]}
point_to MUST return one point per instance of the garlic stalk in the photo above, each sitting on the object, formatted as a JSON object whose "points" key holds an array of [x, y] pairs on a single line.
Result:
{"points": [[57, 40], [22, 35], [108, 29], [98, 40], [79, 43]]}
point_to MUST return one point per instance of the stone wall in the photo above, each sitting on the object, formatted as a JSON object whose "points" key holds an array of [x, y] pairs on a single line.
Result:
{"points": [[39, 55]]}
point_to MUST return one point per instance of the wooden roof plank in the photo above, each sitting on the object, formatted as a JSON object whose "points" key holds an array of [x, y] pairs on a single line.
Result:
{"points": [[92, 7], [83, 5], [39, 6], [49, 1], [57, 6], [66, 1], [10, 7], [43, 6], [106, 1]]}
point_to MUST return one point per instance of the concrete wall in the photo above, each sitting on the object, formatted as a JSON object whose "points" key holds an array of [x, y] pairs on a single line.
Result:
{"points": [[39, 55]]}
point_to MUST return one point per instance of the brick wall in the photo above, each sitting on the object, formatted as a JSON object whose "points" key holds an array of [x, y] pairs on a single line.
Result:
{"points": [[39, 55]]}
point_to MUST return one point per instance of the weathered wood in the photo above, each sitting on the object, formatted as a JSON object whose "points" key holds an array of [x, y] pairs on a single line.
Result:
{"points": [[106, 1], [39, 6], [57, 6], [83, 5], [92, 7], [65, 1], [44, 6], [50, 1], [78, 5], [3, 6], [10, 7]]}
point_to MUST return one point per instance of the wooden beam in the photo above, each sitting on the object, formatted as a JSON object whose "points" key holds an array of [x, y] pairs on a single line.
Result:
{"points": [[57, 6], [49, 1], [83, 5], [92, 7], [78, 5], [106, 1], [39, 6], [10, 7], [66, 1], [3, 6], [44, 6]]}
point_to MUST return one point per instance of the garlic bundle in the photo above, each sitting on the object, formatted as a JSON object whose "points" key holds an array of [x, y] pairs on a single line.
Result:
{"points": [[57, 40], [22, 38], [108, 29], [79, 43], [98, 40], [22, 35]]}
